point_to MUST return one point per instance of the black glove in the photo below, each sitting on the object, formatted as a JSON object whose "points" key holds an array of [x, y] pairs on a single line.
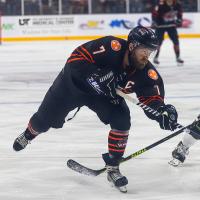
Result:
{"points": [[168, 118], [195, 126], [102, 82], [179, 22]]}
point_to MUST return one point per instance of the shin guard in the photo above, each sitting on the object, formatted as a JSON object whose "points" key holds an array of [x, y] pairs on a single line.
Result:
{"points": [[33, 133], [117, 141]]}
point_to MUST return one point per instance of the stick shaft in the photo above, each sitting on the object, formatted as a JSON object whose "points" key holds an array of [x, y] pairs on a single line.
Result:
{"points": [[166, 26], [142, 105], [154, 144], [92, 172], [149, 109]]}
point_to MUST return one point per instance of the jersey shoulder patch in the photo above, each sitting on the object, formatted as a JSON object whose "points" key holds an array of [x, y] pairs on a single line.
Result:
{"points": [[152, 74], [116, 45]]}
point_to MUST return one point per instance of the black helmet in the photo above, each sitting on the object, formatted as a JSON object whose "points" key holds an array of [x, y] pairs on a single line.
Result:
{"points": [[143, 36]]}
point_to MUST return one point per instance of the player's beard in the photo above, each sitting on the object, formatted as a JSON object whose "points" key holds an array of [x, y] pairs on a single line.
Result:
{"points": [[137, 62]]}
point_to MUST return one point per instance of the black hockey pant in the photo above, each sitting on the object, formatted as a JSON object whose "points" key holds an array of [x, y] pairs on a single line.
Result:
{"points": [[172, 33], [61, 98]]}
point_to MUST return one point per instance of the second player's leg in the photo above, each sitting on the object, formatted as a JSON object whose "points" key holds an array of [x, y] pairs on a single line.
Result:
{"points": [[173, 34], [160, 34]]}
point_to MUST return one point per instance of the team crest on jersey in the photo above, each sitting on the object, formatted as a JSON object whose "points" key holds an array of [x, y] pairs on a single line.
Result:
{"points": [[152, 74], [115, 45]]}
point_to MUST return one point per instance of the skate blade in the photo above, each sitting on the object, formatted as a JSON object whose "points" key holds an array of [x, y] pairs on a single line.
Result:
{"points": [[175, 162], [122, 189], [180, 64]]}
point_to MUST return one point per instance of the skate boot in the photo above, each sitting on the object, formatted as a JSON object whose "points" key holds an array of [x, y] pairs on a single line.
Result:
{"points": [[155, 60], [113, 174], [22, 140], [179, 61], [179, 154]]}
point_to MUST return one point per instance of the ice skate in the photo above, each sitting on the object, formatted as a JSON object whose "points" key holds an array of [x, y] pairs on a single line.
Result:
{"points": [[156, 61], [116, 178], [114, 175], [179, 61], [179, 154], [22, 141]]}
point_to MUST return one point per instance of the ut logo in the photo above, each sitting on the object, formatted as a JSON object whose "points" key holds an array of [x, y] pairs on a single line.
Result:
{"points": [[23, 22]]}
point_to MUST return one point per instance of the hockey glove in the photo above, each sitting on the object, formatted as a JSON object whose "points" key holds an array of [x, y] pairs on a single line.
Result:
{"points": [[168, 118], [195, 126], [103, 82]]}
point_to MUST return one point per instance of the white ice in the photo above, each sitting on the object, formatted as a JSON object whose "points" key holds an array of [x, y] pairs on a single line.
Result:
{"points": [[40, 171]]}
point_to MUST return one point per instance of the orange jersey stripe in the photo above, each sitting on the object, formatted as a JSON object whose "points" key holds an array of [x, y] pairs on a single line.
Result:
{"points": [[121, 134], [150, 99], [85, 50], [114, 145], [116, 150], [113, 138], [86, 58], [75, 54], [33, 132], [74, 59]]}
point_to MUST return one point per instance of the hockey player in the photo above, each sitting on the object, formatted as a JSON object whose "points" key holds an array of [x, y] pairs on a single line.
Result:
{"points": [[166, 17], [182, 150], [91, 74]]}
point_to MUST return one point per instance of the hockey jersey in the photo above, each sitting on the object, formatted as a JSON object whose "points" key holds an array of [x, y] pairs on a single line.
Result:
{"points": [[108, 53], [163, 14]]}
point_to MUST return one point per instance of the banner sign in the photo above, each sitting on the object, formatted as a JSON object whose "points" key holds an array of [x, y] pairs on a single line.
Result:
{"points": [[84, 26]]}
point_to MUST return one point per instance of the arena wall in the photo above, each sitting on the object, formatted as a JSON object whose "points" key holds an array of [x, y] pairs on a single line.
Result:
{"points": [[84, 27]]}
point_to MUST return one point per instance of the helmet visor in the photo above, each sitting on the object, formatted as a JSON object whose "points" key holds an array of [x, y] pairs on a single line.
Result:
{"points": [[149, 50]]}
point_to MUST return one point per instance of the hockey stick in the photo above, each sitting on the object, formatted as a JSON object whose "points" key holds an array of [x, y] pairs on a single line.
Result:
{"points": [[146, 108], [166, 26], [92, 172], [142, 105]]}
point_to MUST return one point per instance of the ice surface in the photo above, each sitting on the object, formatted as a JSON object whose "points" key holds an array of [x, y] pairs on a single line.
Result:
{"points": [[40, 172]]}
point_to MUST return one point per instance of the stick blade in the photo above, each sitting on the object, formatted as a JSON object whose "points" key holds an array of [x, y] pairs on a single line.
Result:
{"points": [[72, 164]]}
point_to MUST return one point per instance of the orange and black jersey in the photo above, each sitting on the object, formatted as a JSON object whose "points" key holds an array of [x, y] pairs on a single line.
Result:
{"points": [[163, 14], [107, 54], [103, 52]]}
